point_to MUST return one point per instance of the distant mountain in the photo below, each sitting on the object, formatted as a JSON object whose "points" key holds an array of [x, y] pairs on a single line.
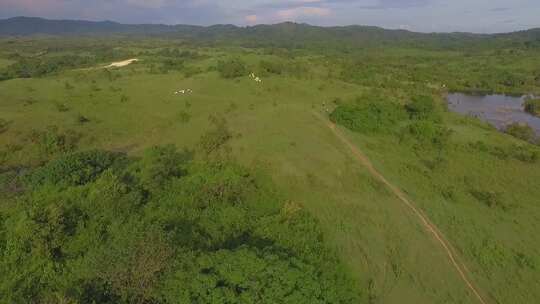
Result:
{"points": [[31, 25], [283, 34]]}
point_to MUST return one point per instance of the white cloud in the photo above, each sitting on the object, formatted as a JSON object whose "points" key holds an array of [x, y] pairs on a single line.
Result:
{"points": [[148, 3], [299, 12], [252, 19]]}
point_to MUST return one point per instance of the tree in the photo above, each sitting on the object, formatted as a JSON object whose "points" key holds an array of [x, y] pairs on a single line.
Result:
{"points": [[532, 106], [85, 231], [232, 68], [521, 131], [421, 107]]}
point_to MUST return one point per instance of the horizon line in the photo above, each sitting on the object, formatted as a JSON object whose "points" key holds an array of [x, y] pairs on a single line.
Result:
{"points": [[271, 24]]}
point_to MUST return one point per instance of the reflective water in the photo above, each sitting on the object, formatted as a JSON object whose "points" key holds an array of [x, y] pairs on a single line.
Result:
{"points": [[498, 110]]}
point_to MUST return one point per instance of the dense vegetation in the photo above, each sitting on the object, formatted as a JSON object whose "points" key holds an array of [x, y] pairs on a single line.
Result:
{"points": [[232, 68], [113, 191], [532, 106], [100, 227], [419, 119]]}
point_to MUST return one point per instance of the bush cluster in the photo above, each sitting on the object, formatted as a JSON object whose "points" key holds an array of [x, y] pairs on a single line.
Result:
{"points": [[369, 117], [521, 131], [532, 106], [524, 153], [419, 120], [98, 227], [52, 140], [232, 68]]}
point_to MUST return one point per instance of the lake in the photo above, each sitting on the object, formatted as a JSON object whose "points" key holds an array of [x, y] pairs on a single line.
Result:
{"points": [[498, 110]]}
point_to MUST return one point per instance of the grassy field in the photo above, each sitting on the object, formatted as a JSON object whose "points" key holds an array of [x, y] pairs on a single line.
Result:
{"points": [[484, 200], [5, 62]]}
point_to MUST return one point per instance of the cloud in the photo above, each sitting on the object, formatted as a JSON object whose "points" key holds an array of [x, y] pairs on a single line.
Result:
{"points": [[147, 3], [299, 12], [396, 4], [31, 6], [499, 9], [252, 19]]}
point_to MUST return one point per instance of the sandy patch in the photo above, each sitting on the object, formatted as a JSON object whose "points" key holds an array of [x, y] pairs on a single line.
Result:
{"points": [[120, 64]]}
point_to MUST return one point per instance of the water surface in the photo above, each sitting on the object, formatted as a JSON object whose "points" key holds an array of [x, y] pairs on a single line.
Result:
{"points": [[498, 110]]}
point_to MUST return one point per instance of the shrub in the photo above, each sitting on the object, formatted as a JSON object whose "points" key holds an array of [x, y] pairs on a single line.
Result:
{"points": [[159, 164], [489, 198], [81, 119], [52, 140], [522, 153], [370, 117], [525, 154], [232, 68], [184, 116], [521, 131], [61, 107], [428, 132], [421, 107], [4, 125], [190, 71], [73, 169], [271, 67], [124, 98], [215, 140], [172, 65], [532, 106]]}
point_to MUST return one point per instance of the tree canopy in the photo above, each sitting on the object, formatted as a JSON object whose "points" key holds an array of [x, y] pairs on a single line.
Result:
{"points": [[100, 227]]}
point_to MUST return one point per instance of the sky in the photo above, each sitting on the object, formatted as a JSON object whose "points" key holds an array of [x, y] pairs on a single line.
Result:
{"points": [[480, 16]]}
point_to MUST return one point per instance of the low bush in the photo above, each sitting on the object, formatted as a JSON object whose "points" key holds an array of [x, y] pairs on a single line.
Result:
{"points": [[73, 169], [532, 106], [159, 164], [429, 133], [490, 199], [271, 67], [370, 117], [521, 131], [52, 140], [232, 68], [422, 107], [184, 117], [214, 141], [81, 119], [525, 154], [522, 153], [190, 71], [4, 125], [61, 107]]}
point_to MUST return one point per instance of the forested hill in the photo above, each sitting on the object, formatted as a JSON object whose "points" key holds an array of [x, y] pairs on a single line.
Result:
{"points": [[288, 34], [32, 25]]}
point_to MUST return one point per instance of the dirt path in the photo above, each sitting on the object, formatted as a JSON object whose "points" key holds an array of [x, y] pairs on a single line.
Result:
{"points": [[428, 225]]}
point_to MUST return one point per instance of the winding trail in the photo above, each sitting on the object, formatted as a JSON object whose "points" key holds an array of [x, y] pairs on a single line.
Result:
{"points": [[428, 225]]}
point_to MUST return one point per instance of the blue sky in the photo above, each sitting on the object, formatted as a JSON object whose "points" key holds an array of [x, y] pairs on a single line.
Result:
{"points": [[485, 16]]}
